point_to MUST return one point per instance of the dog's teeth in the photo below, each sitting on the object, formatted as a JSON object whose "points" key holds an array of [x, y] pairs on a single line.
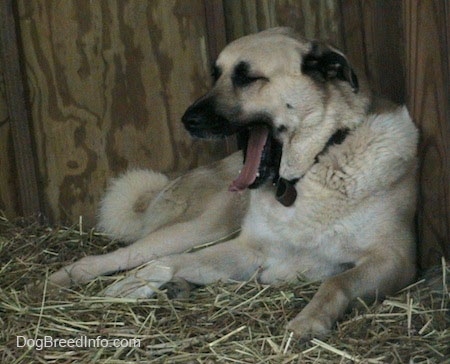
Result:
{"points": [[258, 174]]}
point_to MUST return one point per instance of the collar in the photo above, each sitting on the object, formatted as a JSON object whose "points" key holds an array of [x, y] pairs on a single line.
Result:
{"points": [[286, 193]]}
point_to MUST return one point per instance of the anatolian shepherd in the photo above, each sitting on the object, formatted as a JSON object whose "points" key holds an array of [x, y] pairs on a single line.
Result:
{"points": [[326, 191]]}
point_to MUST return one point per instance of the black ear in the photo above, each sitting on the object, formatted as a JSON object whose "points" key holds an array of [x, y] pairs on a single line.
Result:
{"points": [[327, 63]]}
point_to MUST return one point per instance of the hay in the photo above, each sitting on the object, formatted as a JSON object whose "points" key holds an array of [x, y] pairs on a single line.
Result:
{"points": [[221, 323]]}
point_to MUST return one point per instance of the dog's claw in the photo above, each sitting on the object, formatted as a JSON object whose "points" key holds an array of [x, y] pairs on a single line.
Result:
{"points": [[132, 288], [142, 283], [306, 327]]}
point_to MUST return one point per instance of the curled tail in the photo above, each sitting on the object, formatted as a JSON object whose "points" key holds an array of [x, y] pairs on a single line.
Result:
{"points": [[123, 208]]}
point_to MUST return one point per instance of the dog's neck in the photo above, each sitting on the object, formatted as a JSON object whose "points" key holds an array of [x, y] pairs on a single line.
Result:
{"points": [[337, 138], [286, 193]]}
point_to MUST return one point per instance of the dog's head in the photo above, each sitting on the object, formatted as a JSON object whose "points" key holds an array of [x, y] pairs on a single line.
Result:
{"points": [[284, 96]]}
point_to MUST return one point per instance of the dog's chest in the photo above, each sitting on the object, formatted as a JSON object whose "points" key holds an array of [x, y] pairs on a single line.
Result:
{"points": [[310, 215], [296, 236]]}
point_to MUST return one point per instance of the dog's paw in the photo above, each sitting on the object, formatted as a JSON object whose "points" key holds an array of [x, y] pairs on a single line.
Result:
{"points": [[132, 287], [36, 290], [305, 326], [142, 282], [52, 286], [177, 288]]}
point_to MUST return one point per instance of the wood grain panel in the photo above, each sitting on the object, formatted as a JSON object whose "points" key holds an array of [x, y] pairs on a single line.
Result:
{"points": [[374, 42], [8, 188], [109, 82], [428, 97], [215, 24], [18, 116], [312, 18]]}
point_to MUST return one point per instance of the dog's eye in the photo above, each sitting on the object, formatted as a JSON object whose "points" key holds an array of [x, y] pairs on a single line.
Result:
{"points": [[281, 129], [242, 77], [244, 80]]}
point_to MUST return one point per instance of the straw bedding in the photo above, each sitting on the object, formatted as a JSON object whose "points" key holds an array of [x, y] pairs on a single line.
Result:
{"points": [[231, 322]]}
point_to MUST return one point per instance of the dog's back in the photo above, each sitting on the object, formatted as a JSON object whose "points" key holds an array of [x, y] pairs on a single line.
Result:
{"points": [[140, 202]]}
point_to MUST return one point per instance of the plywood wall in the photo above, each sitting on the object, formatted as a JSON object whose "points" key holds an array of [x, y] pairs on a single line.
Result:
{"points": [[312, 18], [427, 26], [109, 81], [8, 193]]}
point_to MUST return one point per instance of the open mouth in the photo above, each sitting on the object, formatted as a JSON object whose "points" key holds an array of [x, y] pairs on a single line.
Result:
{"points": [[262, 155], [262, 152]]}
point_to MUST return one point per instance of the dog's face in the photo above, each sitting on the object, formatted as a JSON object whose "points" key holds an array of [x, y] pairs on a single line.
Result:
{"points": [[285, 96]]}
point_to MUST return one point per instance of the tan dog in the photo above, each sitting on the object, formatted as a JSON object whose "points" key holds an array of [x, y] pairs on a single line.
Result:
{"points": [[327, 190]]}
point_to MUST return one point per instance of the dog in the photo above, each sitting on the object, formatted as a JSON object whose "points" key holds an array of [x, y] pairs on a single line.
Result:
{"points": [[327, 189]]}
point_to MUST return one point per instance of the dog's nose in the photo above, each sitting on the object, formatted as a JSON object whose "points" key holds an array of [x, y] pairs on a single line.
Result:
{"points": [[187, 116], [202, 120], [190, 116], [196, 113]]}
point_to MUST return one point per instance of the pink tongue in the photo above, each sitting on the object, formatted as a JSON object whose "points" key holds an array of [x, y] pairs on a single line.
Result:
{"points": [[256, 142]]}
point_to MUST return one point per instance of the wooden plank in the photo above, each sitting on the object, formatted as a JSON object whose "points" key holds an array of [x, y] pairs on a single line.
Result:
{"points": [[384, 47], [311, 18], [111, 80], [373, 41], [428, 98], [215, 26], [241, 19], [8, 196], [18, 117]]}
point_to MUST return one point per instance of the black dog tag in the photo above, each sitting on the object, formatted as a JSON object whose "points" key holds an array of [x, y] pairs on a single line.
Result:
{"points": [[286, 192]]}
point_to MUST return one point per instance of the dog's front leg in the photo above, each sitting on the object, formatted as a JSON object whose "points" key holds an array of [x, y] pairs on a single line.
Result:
{"points": [[229, 260], [170, 240], [374, 275]]}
